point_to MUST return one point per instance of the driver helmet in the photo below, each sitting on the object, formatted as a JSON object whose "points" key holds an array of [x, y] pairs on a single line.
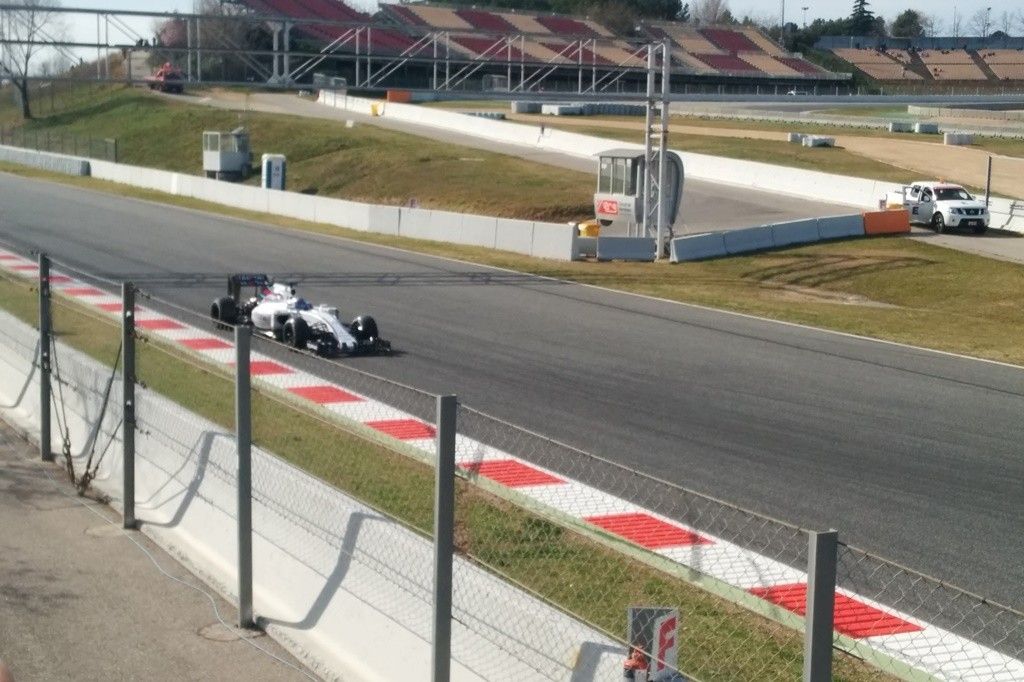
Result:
{"points": [[303, 304]]}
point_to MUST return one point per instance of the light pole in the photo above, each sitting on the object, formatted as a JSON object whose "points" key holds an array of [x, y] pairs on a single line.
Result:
{"points": [[988, 13], [805, 8]]}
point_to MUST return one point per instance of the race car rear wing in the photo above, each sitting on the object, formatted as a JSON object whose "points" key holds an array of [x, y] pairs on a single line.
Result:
{"points": [[237, 281]]}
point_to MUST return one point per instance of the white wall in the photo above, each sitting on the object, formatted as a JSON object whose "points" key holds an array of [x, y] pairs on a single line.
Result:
{"points": [[861, 193], [344, 588], [443, 226]]}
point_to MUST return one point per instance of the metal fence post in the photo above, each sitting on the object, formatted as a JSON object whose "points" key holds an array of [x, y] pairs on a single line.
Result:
{"points": [[45, 334], [128, 400], [444, 536], [821, 594], [243, 439]]}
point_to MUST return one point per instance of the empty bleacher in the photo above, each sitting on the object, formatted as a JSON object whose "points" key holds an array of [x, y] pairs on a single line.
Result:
{"points": [[951, 65], [1005, 64], [729, 40], [533, 37], [877, 64], [727, 63]]}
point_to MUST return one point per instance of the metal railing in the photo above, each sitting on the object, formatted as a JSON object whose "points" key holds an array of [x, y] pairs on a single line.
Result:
{"points": [[87, 146], [527, 533]]}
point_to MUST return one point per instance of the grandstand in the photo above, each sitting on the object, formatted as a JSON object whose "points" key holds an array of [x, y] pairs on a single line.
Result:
{"points": [[483, 41], [1005, 64], [933, 60]]}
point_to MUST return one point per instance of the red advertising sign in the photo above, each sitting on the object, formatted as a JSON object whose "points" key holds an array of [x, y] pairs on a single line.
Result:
{"points": [[608, 207]]}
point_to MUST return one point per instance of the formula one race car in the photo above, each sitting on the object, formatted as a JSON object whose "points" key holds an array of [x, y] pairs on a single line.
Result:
{"points": [[275, 311]]}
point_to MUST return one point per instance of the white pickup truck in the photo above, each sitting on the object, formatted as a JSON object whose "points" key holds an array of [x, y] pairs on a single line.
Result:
{"points": [[941, 205]]}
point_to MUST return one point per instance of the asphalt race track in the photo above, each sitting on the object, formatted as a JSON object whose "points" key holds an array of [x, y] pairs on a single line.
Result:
{"points": [[913, 455]]}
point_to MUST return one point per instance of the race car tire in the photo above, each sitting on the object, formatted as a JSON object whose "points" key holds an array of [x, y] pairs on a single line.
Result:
{"points": [[981, 229], [295, 332], [277, 325], [938, 223], [364, 329], [224, 310]]}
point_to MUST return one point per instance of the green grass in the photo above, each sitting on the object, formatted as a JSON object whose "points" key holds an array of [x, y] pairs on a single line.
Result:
{"points": [[718, 640], [364, 163]]}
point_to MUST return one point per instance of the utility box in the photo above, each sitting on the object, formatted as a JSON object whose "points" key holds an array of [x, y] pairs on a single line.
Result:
{"points": [[618, 202], [274, 171], [226, 156]]}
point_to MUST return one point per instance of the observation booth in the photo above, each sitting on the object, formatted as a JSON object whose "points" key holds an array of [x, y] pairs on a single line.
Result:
{"points": [[618, 205], [226, 156]]}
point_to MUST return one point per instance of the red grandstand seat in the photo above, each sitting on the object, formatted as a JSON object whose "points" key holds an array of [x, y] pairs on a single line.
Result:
{"points": [[486, 21], [564, 26], [571, 52], [726, 62], [406, 15], [731, 41], [800, 65], [495, 48]]}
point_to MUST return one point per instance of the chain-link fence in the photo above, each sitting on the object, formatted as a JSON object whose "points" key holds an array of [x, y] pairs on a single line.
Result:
{"points": [[940, 629], [554, 550], [60, 142]]}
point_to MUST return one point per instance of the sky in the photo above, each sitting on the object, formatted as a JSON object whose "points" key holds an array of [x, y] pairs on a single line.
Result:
{"points": [[84, 27]]}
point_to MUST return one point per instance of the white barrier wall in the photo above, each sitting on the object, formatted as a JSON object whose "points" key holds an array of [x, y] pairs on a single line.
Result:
{"points": [[861, 193], [55, 163], [555, 239], [344, 588]]}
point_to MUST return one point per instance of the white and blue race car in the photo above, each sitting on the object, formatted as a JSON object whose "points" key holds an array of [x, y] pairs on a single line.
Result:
{"points": [[275, 311]]}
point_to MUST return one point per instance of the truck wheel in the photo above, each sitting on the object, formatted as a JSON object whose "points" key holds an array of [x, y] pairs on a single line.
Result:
{"points": [[938, 223]]}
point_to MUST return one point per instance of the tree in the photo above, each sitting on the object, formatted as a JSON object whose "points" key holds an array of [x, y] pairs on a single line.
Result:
{"points": [[36, 22], [932, 24], [956, 26], [909, 24], [684, 13], [862, 19], [981, 21], [710, 11]]}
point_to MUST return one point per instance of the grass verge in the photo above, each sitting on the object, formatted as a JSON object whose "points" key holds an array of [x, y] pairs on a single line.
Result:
{"points": [[363, 163], [889, 288], [718, 640]]}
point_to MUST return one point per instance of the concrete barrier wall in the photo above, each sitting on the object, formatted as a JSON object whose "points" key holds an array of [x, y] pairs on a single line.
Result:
{"points": [[750, 239], [763, 237], [513, 235], [55, 163], [795, 232], [333, 578], [551, 240], [443, 226]]}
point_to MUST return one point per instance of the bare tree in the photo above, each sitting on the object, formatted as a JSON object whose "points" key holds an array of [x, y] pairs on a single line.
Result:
{"points": [[710, 11], [932, 24], [24, 29], [957, 24], [981, 21], [1006, 22]]}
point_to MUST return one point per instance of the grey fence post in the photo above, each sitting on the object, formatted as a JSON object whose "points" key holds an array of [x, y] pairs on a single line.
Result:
{"points": [[243, 439], [444, 536], [128, 400], [44, 358], [821, 594]]}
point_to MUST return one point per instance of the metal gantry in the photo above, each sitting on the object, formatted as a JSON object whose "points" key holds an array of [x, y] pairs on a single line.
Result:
{"points": [[655, 203]]}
